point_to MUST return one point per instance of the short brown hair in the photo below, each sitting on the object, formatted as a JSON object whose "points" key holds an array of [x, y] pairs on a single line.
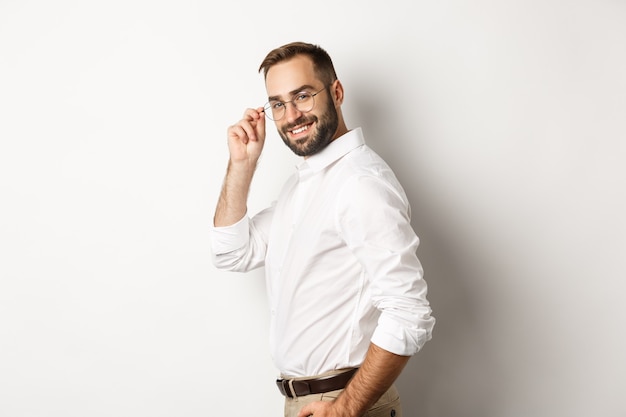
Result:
{"points": [[322, 63]]}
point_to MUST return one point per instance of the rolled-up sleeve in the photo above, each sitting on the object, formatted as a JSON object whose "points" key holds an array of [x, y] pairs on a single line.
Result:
{"points": [[228, 238], [241, 246], [374, 220]]}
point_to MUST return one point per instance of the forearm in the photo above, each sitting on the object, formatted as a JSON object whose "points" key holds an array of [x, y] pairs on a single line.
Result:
{"points": [[377, 373], [232, 202]]}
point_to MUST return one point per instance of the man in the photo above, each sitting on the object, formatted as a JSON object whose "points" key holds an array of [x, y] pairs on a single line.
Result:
{"points": [[347, 298]]}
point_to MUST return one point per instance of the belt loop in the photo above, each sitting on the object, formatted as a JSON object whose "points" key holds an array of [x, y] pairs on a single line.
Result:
{"points": [[293, 391]]}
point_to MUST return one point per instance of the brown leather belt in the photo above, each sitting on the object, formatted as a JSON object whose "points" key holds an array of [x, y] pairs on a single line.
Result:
{"points": [[302, 387]]}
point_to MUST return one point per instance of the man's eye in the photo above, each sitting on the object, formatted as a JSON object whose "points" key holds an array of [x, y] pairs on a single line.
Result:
{"points": [[277, 105], [301, 97]]}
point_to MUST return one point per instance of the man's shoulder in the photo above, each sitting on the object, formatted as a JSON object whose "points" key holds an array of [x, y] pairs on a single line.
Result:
{"points": [[364, 161]]}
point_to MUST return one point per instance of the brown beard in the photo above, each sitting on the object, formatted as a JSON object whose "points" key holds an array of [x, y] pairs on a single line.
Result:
{"points": [[326, 126]]}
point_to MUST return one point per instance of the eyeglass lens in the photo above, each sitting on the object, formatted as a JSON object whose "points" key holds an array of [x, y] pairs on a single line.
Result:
{"points": [[304, 102]]}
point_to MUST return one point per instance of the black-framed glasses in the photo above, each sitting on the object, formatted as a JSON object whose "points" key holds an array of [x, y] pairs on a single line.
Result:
{"points": [[303, 101]]}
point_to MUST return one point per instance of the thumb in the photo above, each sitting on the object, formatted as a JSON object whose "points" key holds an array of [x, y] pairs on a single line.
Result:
{"points": [[306, 411], [261, 123]]}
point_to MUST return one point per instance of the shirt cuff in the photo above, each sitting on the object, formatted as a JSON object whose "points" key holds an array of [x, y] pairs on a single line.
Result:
{"points": [[226, 239], [396, 338]]}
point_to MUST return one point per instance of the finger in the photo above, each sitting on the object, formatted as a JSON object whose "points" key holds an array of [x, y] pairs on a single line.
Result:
{"points": [[253, 124], [250, 128], [261, 121], [237, 132], [306, 411], [253, 114]]}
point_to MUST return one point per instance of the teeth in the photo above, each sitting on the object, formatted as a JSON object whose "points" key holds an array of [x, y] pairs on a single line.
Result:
{"points": [[299, 130]]}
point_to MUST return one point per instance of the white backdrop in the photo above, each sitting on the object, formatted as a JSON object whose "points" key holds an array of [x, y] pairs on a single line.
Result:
{"points": [[504, 121]]}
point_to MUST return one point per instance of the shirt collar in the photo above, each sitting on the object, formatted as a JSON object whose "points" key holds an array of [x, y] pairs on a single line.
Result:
{"points": [[335, 150]]}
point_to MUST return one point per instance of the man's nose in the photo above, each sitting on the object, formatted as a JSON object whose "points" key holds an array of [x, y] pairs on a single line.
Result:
{"points": [[291, 112]]}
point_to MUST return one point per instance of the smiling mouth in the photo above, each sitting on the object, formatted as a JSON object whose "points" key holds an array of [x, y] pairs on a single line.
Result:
{"points": [[300, 129]]}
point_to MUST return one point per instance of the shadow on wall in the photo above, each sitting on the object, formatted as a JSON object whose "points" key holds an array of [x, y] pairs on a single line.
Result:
{"points": [[454, 374]]}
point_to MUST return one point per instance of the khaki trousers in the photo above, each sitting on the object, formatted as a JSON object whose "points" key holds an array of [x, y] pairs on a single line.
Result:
{"points": [[387, 406]]}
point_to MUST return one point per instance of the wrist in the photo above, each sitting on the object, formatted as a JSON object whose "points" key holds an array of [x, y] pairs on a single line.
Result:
{"points": [[342, 406], [242, 166]]}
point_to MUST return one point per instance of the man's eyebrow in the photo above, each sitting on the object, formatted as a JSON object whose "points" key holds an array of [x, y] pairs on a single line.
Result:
{"points": [[292, 92]]}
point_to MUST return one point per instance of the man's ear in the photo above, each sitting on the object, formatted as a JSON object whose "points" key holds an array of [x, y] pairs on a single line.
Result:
{"points": [[336, 92]]}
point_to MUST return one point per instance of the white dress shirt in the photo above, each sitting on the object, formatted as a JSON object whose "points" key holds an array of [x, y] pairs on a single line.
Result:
{"points": [[340, 262]]}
